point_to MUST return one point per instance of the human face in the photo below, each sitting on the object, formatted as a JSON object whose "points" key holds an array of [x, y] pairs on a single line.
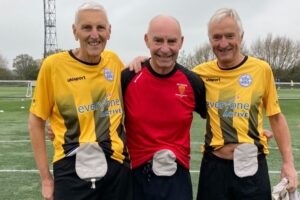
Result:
{"points": [[92, 30], [164, 41], [225, 39]]}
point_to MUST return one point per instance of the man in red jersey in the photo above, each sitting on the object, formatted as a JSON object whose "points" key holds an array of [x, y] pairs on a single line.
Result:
{"points": [[159, 104]]}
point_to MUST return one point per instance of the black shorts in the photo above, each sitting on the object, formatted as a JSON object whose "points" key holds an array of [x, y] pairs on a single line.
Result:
{"points": [[148, 186], [218, 181], [115, 185]]}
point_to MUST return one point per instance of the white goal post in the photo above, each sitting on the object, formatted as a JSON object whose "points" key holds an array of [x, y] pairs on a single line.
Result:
{"points": [[16, 88]]}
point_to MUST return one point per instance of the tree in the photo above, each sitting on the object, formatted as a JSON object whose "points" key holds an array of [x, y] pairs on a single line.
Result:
{"points": [[294, 73], [53, 52], [25, 67], [201, 54], [281, 53], [5, 73], [3, 62]]}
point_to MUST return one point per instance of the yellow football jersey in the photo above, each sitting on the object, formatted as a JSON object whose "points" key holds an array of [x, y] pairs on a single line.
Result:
{"points": [[83, 102], [235, 100]]}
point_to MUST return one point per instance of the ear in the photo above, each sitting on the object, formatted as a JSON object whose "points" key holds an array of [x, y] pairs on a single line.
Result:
{"points": [[75, 32], [242, 36], [146, 39], [109, 32], [182, 39]]}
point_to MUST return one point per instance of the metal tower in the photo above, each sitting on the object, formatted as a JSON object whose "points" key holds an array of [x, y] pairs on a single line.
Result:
{"points": [[50, 41]]}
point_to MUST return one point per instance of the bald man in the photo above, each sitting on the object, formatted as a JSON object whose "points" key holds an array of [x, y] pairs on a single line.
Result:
{"points": [[159, 104]]}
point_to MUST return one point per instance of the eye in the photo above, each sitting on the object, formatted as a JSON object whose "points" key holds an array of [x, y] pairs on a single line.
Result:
{"points": [[172, 41], [101, 28], [86, 27], [230, 36], [158, 40], [216, 37]]}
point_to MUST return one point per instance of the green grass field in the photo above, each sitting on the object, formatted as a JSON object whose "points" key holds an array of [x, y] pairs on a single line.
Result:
{"points": [[19, 179]]}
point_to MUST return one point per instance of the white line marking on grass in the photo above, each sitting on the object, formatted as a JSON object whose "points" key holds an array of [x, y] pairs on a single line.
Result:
{"points": [[13, 141], [20, 170], [270, 172], [17, 141]]}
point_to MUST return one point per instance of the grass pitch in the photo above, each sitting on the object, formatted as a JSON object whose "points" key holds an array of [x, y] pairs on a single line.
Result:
{"points": [[20, 180]]}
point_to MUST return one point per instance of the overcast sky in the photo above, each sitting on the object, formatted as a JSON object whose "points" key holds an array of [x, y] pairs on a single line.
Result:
{"points": [[22, 23]]}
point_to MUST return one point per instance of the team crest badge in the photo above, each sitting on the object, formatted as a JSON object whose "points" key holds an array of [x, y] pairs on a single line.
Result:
{"points": [[108, 74], [245, 80], [181, 89]]}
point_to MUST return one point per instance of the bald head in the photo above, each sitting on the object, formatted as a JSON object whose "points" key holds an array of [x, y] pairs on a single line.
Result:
{"points": [[161, 21], [164, 40]]}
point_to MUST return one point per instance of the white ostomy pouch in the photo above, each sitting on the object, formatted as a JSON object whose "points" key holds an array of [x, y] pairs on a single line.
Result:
{"points": [[164, 163], [91, 164], [245, 160]]}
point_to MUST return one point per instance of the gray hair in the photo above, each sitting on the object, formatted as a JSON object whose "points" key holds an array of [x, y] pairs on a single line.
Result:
{"points": [[90, 5], [226, 12]]}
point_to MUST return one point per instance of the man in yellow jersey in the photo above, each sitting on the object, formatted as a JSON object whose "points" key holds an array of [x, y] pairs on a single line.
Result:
{"points": [[80, 92], [238, 89]]}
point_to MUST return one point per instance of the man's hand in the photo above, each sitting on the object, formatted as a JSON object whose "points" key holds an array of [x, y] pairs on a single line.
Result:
{"points": [[48, 188], [50, 133], [268, 134], [288, 170], [135, 64]]}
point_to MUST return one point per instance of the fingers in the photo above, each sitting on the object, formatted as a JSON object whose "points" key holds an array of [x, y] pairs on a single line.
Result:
{"points": [[268, 134], [136, 64], [288, 170], [50, 133], [48, 189], [292, 185]]}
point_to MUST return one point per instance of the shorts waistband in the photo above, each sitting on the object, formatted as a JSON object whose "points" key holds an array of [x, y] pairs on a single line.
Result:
{"points": [[210, 155]]}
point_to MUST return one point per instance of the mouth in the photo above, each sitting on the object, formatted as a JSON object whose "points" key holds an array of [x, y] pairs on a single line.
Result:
{"points": [[226, 50], [164, 56], [94, 43]]}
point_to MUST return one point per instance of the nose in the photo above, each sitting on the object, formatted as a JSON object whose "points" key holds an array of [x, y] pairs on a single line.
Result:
{"points": [[165, 47], [94, 33], [223, 42]]}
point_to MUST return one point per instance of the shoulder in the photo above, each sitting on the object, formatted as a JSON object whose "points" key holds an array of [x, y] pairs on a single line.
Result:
{"points": [[258, 62], [111, 59], [127, 73], [193, 78], [54, 60], [204, 66], [110, 54], [186, 71], [56, 56]]}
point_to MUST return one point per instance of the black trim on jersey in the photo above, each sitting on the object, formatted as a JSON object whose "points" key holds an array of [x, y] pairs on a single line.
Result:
{"points": [[86, 63], [234, 67], [148, 65], [72, 134], [253, 127], [122, 135], [198, 88], [208, 136], [126, 77]]}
